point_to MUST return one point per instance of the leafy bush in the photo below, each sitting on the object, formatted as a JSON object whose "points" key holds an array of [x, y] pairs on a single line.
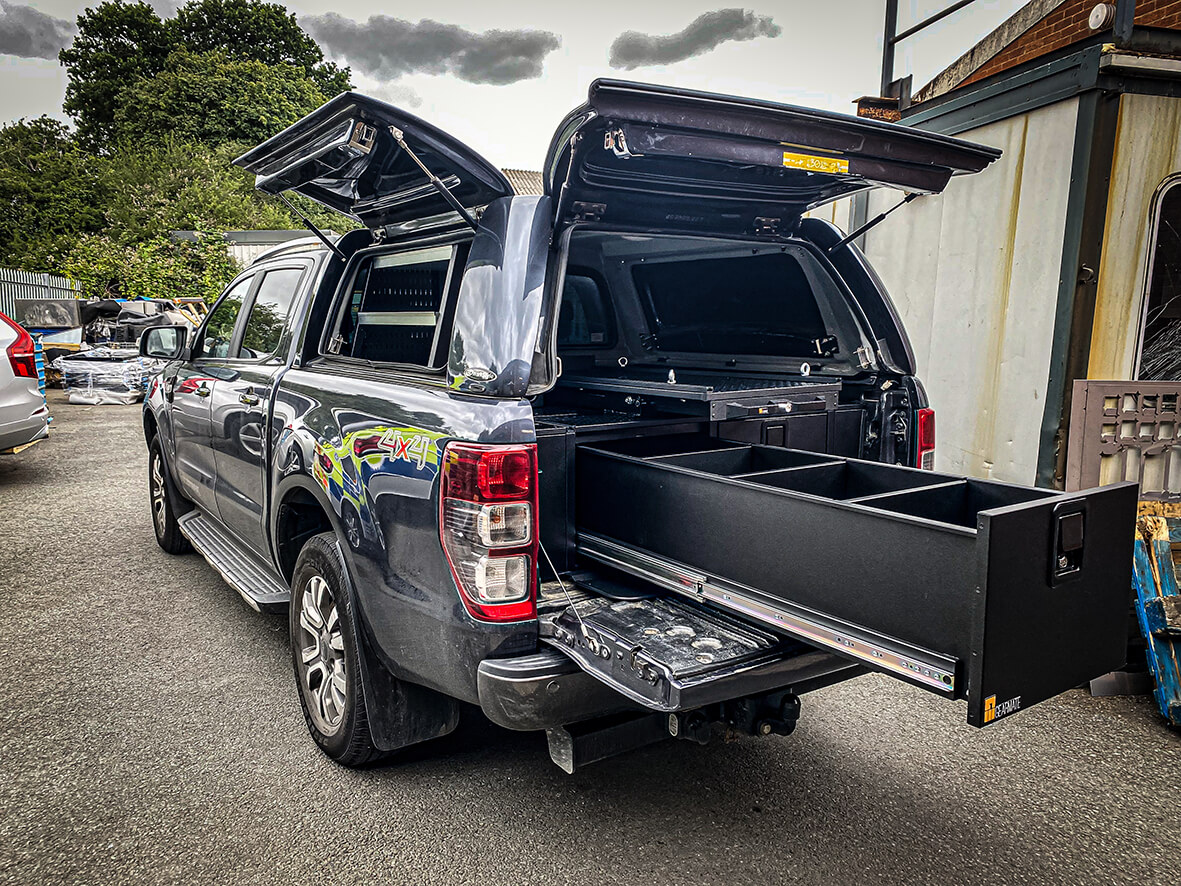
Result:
{"points": [[160, 267]]}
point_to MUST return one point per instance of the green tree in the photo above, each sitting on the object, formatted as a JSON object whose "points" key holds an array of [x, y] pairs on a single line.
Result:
{"points": [[49, 189], [122, 49], [181, 186], [212, 98], [117, 43], [258, 31]]}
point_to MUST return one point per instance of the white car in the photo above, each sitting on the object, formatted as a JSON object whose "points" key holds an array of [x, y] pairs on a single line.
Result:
{"points": [[24, 417]]}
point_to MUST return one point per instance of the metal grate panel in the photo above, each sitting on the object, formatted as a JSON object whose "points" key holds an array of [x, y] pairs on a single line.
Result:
{"points": [[1126, 430]]}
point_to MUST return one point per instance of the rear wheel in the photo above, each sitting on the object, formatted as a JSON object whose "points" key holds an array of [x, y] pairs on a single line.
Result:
{"points": [[324, 655], [166, 503]]}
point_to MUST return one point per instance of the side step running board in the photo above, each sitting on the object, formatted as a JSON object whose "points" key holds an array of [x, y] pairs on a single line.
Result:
{"points": [[258, 584]]}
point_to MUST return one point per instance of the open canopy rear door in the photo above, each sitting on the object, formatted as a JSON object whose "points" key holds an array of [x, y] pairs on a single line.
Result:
{"points": [[344, 155], [672, 158]]}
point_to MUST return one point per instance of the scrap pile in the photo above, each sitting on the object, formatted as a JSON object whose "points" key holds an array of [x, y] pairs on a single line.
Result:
{"points": [[105, 375]]}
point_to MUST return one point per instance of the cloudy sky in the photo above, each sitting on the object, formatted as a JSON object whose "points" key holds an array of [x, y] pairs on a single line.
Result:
{"points": [[501, 75]]}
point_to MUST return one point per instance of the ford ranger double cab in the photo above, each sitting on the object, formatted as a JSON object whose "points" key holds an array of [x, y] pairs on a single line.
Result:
{"points": [[643, 457]]}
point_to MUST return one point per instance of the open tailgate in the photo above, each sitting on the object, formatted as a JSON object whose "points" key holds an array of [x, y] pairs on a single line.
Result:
{"points": [[636, 152]]}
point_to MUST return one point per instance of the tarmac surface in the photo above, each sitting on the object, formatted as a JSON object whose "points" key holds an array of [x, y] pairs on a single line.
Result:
{"points": [[153, 735]]}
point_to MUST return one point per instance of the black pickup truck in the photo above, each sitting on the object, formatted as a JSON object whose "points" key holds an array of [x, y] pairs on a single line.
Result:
{"points": [[644, 457]]}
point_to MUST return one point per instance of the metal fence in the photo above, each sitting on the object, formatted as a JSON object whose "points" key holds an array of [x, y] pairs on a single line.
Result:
{"points": [[1126, 430], [16, 284]]}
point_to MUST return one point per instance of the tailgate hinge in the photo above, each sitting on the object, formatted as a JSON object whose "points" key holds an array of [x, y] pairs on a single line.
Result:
{"points": [[587, 212]]}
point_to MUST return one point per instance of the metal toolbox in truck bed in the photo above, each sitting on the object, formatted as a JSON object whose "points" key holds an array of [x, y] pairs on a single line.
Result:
{"points": [[999, 594]]}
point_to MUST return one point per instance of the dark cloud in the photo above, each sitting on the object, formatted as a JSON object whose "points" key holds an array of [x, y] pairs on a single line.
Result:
{"points": [[633, 49], [28, 33], [386, 48]]}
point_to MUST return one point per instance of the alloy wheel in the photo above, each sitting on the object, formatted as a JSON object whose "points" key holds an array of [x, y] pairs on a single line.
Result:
{"points": [[159, 506], [322, 657]]}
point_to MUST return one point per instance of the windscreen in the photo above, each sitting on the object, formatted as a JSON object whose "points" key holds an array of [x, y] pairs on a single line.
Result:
{"points": [[743, 305]]}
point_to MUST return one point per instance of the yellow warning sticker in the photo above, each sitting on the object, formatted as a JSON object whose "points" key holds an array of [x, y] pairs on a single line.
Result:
{"points": [[812, 163]]}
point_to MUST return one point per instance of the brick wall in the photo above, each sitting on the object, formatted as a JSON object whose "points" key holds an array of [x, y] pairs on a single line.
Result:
{"points": [[1066, 25]]}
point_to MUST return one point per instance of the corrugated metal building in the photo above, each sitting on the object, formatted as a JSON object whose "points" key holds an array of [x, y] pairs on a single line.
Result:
{"points": [[1037, 272], [16, 284]]}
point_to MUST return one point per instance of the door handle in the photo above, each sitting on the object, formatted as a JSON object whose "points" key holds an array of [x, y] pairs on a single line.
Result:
{"points": [[202, 391], [248, 399]]}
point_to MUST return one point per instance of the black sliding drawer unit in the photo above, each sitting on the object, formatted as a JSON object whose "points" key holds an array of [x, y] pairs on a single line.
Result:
{"points": [[1000, 594]]}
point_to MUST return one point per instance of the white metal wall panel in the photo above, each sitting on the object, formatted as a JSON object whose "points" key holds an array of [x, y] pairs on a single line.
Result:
{"points": [[836, 212], [1147, 151], [974, 275]]}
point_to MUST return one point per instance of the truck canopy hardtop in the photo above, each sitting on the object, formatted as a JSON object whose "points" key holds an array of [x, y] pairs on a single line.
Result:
{"points": [[712, 162]]}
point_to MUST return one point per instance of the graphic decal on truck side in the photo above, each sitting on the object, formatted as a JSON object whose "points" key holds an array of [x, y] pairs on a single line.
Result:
{"points": [[344, 469]]}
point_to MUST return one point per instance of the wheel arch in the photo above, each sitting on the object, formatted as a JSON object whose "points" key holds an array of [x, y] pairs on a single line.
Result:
{"points": [[151, 426], [301, 511], [400, 714]]}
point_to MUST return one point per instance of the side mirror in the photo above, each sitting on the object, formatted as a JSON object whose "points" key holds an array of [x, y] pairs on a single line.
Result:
{"points": [[163, 342]]}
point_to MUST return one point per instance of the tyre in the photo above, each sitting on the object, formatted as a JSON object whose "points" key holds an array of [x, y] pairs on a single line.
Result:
{"points": [[324, 655], [166, 503]]}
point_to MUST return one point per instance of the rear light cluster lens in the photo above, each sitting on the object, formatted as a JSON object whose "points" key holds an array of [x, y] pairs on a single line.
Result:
{"points": [[488, 527], [22, 353], [925, 442]]}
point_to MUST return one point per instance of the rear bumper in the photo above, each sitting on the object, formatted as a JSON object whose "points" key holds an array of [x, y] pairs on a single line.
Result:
{"points": [[29, 430], [546, 689]]}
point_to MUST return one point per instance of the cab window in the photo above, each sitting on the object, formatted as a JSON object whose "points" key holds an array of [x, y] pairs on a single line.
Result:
{"points": [[398, 308], [269, 313], [219, 328]]}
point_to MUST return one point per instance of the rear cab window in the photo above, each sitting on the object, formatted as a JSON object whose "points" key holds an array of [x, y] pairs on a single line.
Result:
{"points": [[752, 304], [701, 300], [586, 319]]}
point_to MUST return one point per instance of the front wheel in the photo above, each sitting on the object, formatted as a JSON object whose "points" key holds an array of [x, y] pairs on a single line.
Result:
{"points": [[324, 654], [166, 504]]}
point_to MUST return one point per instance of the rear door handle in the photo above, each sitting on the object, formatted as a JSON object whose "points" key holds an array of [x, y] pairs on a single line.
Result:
{"points": [[202, 391], [249, 399]]}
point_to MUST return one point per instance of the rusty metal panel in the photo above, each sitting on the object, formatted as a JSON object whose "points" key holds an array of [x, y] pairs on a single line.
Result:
{"points": [[1126, 430], [1148, 150], [974, 274]]}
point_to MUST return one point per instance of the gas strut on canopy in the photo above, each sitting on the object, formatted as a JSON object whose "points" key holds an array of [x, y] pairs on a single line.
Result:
{"points": [[434, 179], [853, 235]]}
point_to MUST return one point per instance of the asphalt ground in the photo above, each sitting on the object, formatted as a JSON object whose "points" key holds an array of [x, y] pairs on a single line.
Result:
{"points": [[152, 734]]}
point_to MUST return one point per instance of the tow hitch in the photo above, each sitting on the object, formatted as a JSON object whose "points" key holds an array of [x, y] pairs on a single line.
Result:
{"points": [[574, 746]]}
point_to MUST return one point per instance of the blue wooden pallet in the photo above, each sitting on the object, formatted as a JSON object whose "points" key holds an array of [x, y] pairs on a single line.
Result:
{"points": [[1158, 603], [39, 359]]}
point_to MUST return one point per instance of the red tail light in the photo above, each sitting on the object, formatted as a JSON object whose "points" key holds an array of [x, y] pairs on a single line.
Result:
{"points": [[925, 440], [488, 527], [22, 352]]}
